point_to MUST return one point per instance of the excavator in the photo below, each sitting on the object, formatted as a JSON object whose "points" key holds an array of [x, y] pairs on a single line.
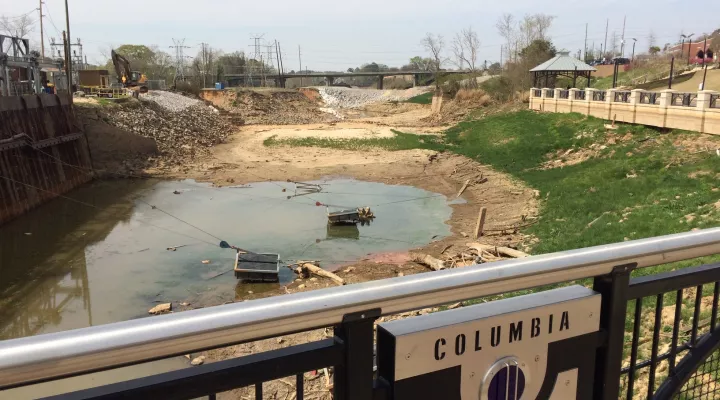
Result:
{"points": [[132, 80]]}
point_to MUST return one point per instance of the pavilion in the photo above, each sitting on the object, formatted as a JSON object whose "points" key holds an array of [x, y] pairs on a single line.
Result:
{"points": [[545, 74]]}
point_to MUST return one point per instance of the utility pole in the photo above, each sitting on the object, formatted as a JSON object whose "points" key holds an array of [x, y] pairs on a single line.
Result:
{"points": [[179, 46], [633, 51], [300, 59], [42, 32], [282, 66], [68, 61], [586, 29], [204, 64], [604, 48], [277, 58], [622, 39]]}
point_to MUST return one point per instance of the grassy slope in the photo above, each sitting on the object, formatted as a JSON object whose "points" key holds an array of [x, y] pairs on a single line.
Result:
{"points": [[576, 195], [425, 98], [653, 202]]}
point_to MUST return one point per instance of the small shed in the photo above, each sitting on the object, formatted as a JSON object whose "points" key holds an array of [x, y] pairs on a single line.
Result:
{"points": [[94, 77], [545, 74]]}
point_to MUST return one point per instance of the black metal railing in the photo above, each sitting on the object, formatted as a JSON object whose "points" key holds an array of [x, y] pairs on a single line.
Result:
{"points": [[649, 98], [684, 99], [579, 95], [622, 97], [564, 94], [667, 344], [599, 95], [672, 313], [537, 93], [714, 103], [550, 93]]}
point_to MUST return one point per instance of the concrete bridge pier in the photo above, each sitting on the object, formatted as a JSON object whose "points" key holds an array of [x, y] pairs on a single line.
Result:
{"points": [[380, 82], [416, 80], [329, 80]]}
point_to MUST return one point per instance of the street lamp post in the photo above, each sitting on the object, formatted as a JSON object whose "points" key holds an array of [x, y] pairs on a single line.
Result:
{"points": [[689, 46]]}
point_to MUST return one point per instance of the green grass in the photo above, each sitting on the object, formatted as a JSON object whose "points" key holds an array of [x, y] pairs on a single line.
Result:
{"points": [[576, 195], [652, 201], [425, 98], [401, 141]]}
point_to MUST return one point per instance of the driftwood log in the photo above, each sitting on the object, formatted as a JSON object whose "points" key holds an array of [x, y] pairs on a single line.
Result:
{"points": [[430, 261], [306, 268], [500, 249]]}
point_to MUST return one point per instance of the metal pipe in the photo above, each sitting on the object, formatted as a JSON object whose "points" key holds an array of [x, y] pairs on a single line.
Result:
{"points": [[55, 355]]}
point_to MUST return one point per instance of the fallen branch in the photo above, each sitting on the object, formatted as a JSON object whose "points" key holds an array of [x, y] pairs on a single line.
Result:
{"points": [[467, 182], [499, 249], [306, 267], [430, 261]]}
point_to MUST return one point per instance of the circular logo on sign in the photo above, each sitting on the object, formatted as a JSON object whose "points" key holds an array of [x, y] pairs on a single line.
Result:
{"points": [[504, 381]]}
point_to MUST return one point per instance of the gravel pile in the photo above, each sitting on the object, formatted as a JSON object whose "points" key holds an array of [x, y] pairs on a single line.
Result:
{"points": [[170, 101], [341, 97], [181, 137]]}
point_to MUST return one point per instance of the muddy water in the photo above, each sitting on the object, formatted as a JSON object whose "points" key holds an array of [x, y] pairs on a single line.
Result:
{"points": [[68, 265]]}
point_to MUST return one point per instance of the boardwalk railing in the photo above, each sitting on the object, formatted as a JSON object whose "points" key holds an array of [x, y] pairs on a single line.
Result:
{"points": [[673, 335], [665, 109]]}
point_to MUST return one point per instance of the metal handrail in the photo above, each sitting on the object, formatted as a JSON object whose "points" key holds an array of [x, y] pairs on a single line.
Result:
{"points": [[649, 98], [622, 97], [537, 93], [580, 95], [599, 95], [549, 93], [55, 355], [714, 103], [683, 99]]}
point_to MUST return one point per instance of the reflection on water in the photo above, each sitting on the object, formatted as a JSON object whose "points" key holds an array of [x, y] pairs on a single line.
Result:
{"points": [[67, 265]]}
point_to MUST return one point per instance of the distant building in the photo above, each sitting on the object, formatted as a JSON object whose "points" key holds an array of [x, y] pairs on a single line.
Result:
{"points": [[694, 47]]}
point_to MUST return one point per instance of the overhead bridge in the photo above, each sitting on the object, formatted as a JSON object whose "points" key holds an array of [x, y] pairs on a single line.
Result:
{"points": [[329, 77], [629, 333]]}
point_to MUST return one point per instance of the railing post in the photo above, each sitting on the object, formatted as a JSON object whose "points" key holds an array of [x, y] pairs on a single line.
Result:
{"points": [[532, 97], [703, 104], [571, 97], [634, 101], [556, 98], [665, 101], [614, 291], [589, 95], [609, 99], [354, 379]]}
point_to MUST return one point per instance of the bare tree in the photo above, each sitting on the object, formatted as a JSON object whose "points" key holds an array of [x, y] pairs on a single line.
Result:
{"points": [[19, 26], [506, 28], [434, 44], [465, 48]]}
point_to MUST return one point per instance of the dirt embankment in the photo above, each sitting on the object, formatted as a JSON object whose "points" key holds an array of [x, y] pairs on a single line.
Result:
{"points": [[269, 107]]}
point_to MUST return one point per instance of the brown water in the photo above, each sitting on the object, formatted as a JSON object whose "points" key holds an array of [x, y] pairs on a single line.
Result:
{"points": [[68, 265]]}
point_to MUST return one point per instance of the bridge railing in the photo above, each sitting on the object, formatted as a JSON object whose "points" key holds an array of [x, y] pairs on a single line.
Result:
{"points": [[353, 310]]}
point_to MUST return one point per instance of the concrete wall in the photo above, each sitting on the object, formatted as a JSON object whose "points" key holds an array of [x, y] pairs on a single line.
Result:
{"points": [[623, 106]]}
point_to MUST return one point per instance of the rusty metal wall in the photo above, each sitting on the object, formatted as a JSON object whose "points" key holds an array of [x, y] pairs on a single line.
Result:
{"points": [[43, 152]]}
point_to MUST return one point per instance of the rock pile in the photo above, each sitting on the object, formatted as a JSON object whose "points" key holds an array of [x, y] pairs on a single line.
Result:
{"points": [[341, 97], [170, 101], [181, 136]]}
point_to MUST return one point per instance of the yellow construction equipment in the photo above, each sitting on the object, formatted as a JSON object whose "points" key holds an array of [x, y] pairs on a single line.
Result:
{"points": [[133, 80]]}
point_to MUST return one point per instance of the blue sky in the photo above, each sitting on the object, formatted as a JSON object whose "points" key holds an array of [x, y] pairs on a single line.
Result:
{"points": [[335, 35]]}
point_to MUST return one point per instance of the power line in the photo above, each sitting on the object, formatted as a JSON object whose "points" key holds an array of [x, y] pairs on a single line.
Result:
{"points": [[101, 209]]}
